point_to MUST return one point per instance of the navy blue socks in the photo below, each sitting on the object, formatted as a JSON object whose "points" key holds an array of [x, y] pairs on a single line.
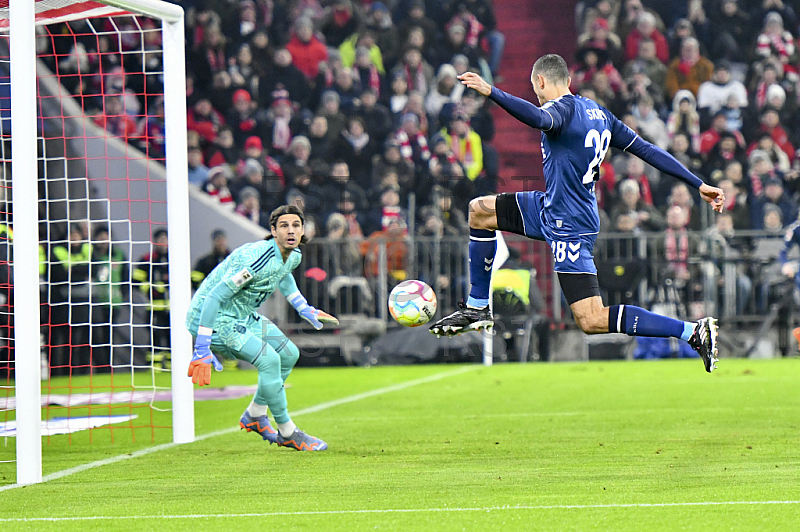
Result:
{"points": [[482, 247], [636, 321]]}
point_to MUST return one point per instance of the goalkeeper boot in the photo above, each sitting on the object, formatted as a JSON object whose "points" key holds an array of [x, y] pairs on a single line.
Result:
{"points": [[704, 341], [463, 320], [259, 425], [300, 441]]}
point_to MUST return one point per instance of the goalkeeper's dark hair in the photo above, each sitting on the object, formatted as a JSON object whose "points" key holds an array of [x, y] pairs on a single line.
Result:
{"points": [[282, 211], [553, 68]]}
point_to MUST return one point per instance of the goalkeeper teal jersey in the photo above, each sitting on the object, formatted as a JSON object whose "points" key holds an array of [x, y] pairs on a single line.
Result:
{"points": [[253, 272]]}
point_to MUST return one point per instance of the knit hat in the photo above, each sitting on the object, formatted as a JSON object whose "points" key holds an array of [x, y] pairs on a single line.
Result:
{"points": [[253, 142], [241, 94]]}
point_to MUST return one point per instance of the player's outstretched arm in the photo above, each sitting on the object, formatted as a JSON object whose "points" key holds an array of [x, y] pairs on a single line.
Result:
{"points": [[312, 315], [665, 162], [315, 317], [203, 358], [522, 110]]}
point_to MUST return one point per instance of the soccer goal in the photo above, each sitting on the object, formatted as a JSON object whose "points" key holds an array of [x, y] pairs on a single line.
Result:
{"points": [[94, 252]]}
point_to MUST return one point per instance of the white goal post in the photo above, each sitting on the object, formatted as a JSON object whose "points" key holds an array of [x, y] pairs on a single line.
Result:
{"points": [[20, 20]]}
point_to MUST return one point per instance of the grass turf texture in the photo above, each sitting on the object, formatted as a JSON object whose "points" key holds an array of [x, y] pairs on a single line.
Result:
{"points": [[458, 449]]}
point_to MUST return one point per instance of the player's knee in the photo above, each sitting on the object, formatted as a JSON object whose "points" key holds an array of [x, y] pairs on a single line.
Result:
{"points": [[481, 212], [267, 362], [289, 354]]}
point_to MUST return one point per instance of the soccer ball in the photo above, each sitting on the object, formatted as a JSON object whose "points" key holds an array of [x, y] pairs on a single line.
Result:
{"points": [[412, 303]]}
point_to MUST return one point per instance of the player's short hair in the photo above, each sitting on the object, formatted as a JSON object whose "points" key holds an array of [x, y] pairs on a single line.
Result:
{"points": [[282, 211], [553, 68]]}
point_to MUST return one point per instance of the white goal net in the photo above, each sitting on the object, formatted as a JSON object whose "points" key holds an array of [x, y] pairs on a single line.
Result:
{"points": [[93, 249]]}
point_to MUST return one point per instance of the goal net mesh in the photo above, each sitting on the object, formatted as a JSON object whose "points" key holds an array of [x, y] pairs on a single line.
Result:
{"points": [[103, 232]]}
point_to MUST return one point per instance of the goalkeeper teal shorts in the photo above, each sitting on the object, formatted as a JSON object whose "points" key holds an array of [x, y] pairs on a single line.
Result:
{"points": [[231, 334]]}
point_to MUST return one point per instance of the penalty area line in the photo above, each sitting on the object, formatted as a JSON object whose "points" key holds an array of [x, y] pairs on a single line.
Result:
{"points": [[310, 410], [401, 511]]}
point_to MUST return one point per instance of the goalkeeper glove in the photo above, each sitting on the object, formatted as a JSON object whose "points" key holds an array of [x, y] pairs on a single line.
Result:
{"points": [[313, 316], [203, 358]]}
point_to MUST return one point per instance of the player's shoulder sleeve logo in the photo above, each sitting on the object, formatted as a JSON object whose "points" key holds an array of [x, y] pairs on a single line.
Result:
{"points": [[242, 278]]}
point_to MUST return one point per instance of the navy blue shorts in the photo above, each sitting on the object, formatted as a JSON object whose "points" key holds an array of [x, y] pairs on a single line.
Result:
{"points": [[521, 213]]}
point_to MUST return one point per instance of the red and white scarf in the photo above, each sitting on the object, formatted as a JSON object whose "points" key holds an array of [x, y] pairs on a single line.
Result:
{"points": [[222, 194], [472, 25], [644, 188], [374, 78], [465, 155], [407, 150], [281, 134], [416, 80], [677, 249]]}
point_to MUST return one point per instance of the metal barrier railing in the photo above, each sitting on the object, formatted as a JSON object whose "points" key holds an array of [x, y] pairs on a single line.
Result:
{"points": [[688, 276]]}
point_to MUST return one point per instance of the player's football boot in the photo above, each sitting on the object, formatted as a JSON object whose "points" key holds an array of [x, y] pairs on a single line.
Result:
{"points": [[300, 441], [463, 320], [260, 425], [704, 341]]}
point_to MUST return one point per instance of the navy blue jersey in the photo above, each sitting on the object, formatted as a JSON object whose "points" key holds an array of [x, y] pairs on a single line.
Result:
{"points": [[577, 133], [790, 238], [573, 147]]}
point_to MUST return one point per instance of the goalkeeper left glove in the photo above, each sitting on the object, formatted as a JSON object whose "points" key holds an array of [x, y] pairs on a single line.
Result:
{"points": [[203, 358], [313, 316]]}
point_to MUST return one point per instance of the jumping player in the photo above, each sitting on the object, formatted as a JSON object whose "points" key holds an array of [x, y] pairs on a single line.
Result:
{"points": [[224, 319], [577, 132]]}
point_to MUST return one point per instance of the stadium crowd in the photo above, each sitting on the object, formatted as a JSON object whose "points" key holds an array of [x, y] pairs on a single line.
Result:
{"points": [[715, 84], [351, 108], [343, 108]]}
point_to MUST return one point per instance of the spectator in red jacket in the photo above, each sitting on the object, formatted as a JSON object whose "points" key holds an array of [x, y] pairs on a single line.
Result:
{"points": [[204, 119], [243, 118], [771, 123], [646, 29], [114, 119], [710, 137], [307, 51]]}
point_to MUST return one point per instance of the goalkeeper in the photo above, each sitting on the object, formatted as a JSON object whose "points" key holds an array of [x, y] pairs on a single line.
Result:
{"points": [[224, 319]]}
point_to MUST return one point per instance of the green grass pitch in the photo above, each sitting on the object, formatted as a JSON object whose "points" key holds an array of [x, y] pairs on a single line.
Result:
{"points": [[613, 446]]}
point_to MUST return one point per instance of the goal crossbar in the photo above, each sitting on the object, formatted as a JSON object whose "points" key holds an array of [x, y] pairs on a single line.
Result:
{"points": [[53, 11]]}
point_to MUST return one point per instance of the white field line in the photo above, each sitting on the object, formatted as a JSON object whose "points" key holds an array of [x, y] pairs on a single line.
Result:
{"points": [[309, 410], [400, 511]]}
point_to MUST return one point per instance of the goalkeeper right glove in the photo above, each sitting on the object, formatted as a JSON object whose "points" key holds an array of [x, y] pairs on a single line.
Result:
{"points": [[203, 358], [313, 316]]}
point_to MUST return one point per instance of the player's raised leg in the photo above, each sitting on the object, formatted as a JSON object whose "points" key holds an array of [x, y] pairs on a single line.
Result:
{"points": [[595, 318], [475, 315]]}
